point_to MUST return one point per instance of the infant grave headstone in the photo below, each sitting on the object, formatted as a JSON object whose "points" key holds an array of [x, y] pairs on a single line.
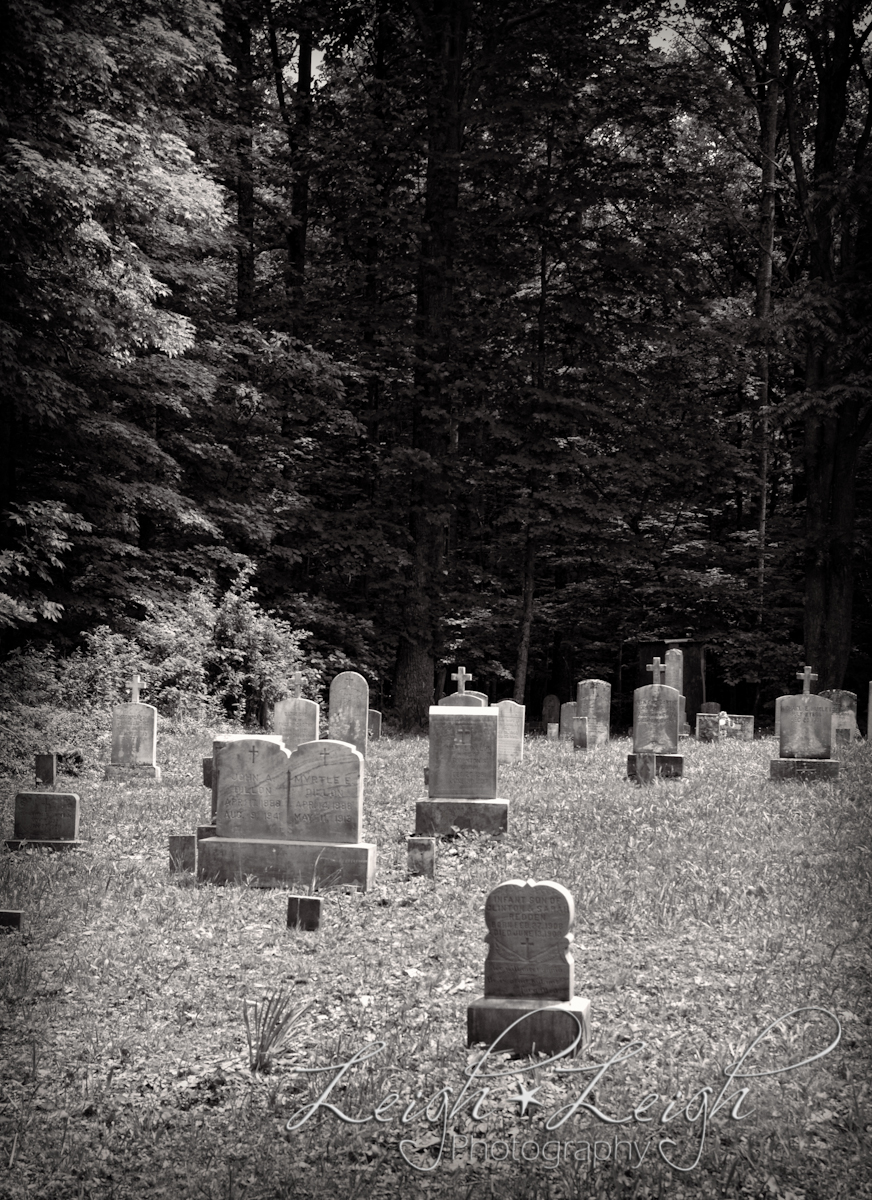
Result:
{"points": [[805, 741], [288, 819], [46, 820], [529, 973], [134, 738], [463, 773], [349, 710], [296, 719], [594, 701], [656, 711]]}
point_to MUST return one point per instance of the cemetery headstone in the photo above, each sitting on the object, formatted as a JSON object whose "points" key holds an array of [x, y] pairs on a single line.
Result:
{"points": [[805, 741], [778, 702], [288, 819], [568, 713], [710, 706], [463, 773], [45, 820], [529, 973], [374, 719], [422, 856], [210, 773], [844, 715], [739, 726], [674, 677], [46, 769], [594, 701], [296, 719], [580, 735], [349, 710], [708, 727], [552, 731], [550, 710], [510, 731], [134, 738], [462, 698], [656, 711]]}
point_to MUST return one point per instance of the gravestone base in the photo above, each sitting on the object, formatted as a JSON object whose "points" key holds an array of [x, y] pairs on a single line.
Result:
{"points": [[548, 1026], [113, 771], [439, 818], [422, 856], [669, 766], [267, 863], [43, 844], [809, 769]]}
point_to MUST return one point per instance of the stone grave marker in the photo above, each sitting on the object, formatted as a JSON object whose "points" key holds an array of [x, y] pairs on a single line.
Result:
{"points": [[46, 820], [288, 819], [296, 719], [844, 715], [580, 736], [805, 741], [10, 920], [422, 856], [550, 711], [463, 774], [778, 702], [46, 769], [374, 724], [710, 706], [739, 726], [134, 738], [510, 731], [349, 710], [656, 712], [462, 698], [529, 973], [594, 701], [210, 774], [674, 677], [568, 713], [708, 727]]}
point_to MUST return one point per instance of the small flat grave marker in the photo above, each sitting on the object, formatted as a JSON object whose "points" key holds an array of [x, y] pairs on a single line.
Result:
{"points": [[46, 820]]}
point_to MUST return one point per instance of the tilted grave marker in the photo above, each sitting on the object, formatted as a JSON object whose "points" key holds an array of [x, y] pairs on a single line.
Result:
{"points": [[805, 741], [349, 710], [529, 973]]}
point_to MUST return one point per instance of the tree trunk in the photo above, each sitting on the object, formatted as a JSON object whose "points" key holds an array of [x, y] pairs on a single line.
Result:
{"points": [[239, 45], [526, 620]]}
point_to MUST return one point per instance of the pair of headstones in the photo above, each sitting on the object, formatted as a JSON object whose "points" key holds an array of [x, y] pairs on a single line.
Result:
{"points": [[584, 720], [296, 719], [805, 742], [510, 726]]}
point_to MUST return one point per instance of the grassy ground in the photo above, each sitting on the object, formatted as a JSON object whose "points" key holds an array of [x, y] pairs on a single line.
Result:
{"points": [[706, 908]]}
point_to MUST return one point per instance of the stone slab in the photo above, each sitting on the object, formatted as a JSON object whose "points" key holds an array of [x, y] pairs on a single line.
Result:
{"points": [[114, 772], [542, 1026], [593, 699], [134, 735], [463, 758], [806, 727], [374, 719], [439, 818], [296, 720], [46, 816], [809, 770], [568, 713], [225, 739], [669, 766], [510, 731], [46, 769], [529, 939], [656, 711], [349, 710], [422, 856], [266, 863]]}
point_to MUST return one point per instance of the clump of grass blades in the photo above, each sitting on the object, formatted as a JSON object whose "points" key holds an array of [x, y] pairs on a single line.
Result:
{"points": [[268, 1022]]}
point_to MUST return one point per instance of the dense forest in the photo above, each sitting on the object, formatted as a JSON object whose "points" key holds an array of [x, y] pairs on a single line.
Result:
{"points": [[414, 332]]}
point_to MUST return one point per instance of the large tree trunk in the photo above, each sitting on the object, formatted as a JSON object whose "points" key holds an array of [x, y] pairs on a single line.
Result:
{"points": [[444, 27], [526, 620], [238, 29]]}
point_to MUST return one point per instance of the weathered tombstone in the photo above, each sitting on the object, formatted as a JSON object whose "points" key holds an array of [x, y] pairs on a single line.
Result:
{"points": [[295, 719], [710, 706], [656, 710], [288, 819], [349, 710], [462, 698], [45, 820], [46, 769], [708, 727], [737, 725], [594, 701], [462, 788], [422, 856], [674, 677], [210, 771], [580, 735], [844, 715], [510, 731], [529, 973], [134, 738], [552, 731], [550, 711], [778, 702], [805, 741], [568, 714], [374, 720]]}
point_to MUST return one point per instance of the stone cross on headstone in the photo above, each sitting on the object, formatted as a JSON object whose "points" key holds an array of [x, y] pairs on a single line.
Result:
{"points": [[134, 686], [807, 677], [657, 671], [461, 678], [296, 685]]}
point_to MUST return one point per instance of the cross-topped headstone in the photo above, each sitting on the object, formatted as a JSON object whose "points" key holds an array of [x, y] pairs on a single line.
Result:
{"points": [[807, 678], [461, 676], [657, 670], [134, 686], [297, 685]]}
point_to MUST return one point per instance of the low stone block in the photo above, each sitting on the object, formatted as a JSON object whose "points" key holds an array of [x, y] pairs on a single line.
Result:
{"points": [[183, 853], [809, 770], [422, 856], [708, 727], [46, 769], [304, 912], [543, 1026], [112, 771], [267, 862], [10, 920], [439, 818], [207, 772], [669, 766], [552, 731]]}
